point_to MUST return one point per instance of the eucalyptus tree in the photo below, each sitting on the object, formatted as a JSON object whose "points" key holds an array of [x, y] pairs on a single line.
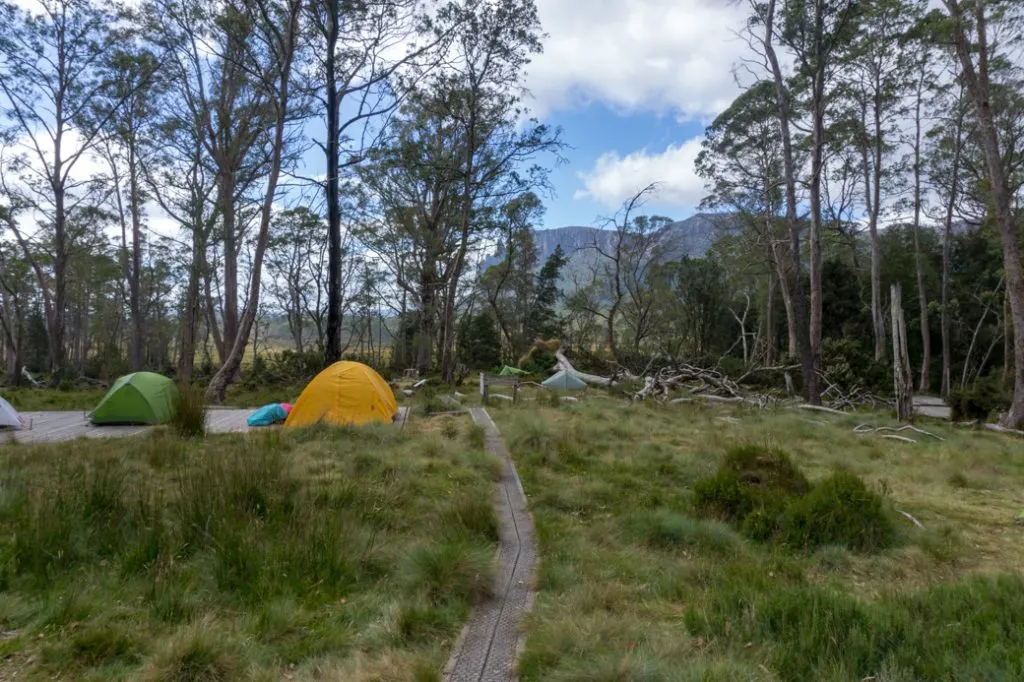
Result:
{"points": [[366, 55], [971, 31], [51, 79], [877, 75], [463, 146], [741, 163]]}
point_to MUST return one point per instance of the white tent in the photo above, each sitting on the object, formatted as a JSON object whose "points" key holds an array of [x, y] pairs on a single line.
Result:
{"points": [[9, 416]]}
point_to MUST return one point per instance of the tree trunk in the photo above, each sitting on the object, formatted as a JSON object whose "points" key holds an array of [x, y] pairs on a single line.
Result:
{"points": [[902, 379], [925, 382], [770, 348], [807, 367], [60, 261], [977, 81], [332, 351], [287, 40], [817, 164], [226, 200], [134, 283], [947, 253]]}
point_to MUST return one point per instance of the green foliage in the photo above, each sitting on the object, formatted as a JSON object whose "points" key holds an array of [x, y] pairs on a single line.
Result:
{"points": [[541, 357], [978, 402], [669, 530], [849, 363], [543, 321], [479, 343], [188, 414], [839, 511]]}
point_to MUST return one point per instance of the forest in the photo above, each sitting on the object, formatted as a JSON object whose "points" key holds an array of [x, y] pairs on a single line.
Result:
{"points": [[257, 187]]}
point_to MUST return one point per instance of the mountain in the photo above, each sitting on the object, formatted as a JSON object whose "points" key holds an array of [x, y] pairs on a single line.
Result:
{"points": [[692, 237]]}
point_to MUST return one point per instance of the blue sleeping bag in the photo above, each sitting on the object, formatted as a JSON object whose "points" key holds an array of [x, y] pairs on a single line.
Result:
{"points": [[267, 415]]}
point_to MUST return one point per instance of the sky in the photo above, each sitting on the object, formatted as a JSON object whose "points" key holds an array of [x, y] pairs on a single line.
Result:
{"points": [[632, 84]]}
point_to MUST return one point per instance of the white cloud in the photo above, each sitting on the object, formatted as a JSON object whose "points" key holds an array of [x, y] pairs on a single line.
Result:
{"points": [[614, 178], [668, 56]]}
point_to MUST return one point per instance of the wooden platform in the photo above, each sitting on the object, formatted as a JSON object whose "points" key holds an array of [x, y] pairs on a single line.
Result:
{"points": [[49, 427]]}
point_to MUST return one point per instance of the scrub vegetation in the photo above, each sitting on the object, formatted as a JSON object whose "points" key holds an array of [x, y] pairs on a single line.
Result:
{"points": [[350, 554], [720, 543]]}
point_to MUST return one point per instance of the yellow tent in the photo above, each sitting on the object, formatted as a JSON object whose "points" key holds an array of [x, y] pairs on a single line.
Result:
{"points": [[344, 393]]}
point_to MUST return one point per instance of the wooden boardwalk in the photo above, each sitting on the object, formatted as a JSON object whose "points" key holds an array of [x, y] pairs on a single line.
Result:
{"points": [[50, 427]]}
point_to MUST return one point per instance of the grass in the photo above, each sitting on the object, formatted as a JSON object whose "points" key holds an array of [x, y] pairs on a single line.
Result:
{"points": [[633, 586], [188, 416], [350, 554], [42, 399]]}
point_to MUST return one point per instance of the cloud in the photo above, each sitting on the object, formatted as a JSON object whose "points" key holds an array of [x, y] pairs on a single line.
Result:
{"points": [[614, 179], [667, 56]]}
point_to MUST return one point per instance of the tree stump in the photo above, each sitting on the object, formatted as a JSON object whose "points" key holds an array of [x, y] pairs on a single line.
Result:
{"points": [[902, 379]]}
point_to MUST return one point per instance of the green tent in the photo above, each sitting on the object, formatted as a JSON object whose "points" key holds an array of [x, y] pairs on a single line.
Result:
{"points": [[564, 381], [507, 371], [139, 398]]}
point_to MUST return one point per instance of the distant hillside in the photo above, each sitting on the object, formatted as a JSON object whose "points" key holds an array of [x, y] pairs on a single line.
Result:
{"points": [[692, 237]]}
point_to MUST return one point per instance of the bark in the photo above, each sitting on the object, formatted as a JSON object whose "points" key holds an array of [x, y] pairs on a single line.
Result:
{"points": [[977, 81], [134, 282], [226, 201], [286, 44], [925, 382], [426, 317], [807, 366], [947, 252], [770, 349], [817, 165], [793, 344], [902, 379], [872, 163], [332, 350]]}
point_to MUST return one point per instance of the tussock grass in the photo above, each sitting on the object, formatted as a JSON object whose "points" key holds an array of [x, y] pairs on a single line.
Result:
{"points": [[633, 587], [242, 557], [188, 415]]}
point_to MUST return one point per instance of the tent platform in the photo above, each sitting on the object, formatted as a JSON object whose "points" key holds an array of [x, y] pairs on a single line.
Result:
{"points": [[50, 427]]}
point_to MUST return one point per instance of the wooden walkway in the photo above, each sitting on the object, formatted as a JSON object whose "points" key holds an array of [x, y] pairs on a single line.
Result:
{"points": [[50, 427]]}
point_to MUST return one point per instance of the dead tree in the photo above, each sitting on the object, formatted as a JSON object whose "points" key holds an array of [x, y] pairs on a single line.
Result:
{"points": [[902, 379]]}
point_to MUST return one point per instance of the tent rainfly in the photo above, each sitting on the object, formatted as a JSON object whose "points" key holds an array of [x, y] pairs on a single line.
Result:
{"points": [[507, 371], [564, 381], [344, 393], [139, 398], [9, 418]]}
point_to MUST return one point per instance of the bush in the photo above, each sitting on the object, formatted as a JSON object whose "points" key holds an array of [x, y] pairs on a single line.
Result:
{"points": [[978, 402], [188, 415], [839, 511], [753, 482]]}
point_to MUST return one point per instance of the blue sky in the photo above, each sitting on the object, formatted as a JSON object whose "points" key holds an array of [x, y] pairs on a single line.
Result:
{"points": [[632, 84], [594, 131]]}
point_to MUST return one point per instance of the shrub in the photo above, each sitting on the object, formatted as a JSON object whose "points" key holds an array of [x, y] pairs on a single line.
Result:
{"points": [[188, 414], [839, 511], [978, 402], [751, 489]]}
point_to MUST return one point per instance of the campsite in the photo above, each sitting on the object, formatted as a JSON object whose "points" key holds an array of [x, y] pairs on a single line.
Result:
{"points": [[512, 340]]}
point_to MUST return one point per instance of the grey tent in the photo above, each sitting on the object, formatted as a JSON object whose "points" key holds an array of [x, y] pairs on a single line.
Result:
{"points": [[9, 417], [564, 381]]}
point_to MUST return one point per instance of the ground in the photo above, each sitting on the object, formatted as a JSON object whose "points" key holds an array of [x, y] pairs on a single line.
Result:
{"points": [[633, 586], [339, 554], [356, 554]]}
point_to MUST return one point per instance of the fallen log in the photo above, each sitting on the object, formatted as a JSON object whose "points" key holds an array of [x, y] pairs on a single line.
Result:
{"points": [[591, 379], [821, 408]]}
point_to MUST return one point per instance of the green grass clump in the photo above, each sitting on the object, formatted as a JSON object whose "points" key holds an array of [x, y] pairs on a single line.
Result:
{"points": [[669, 530], [752, 489], [839, 511], [968, 630], [188, 414]]}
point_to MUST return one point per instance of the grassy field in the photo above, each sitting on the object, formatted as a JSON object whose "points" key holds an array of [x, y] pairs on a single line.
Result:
{"points": [[302, 555], [634, 587]]}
